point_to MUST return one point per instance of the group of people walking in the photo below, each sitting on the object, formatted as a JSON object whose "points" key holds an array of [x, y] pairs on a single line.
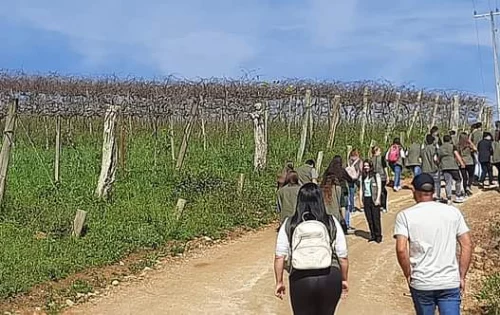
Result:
{"points": [[315, 215]]}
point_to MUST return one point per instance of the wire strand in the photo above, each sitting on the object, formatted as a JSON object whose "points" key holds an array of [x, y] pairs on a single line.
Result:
{"points": [[480, 57]]}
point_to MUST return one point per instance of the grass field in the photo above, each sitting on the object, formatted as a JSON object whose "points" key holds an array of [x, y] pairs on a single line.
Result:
{"points": [[140, 213]]}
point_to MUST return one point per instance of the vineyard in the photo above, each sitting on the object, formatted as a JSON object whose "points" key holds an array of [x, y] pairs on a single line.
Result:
{"points": [[147, 144]]}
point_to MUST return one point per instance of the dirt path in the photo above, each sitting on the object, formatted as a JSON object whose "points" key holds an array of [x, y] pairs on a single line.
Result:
{"points": [[238, 278]]}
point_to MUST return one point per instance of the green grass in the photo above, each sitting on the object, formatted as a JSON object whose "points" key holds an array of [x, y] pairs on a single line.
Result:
{"points": [[140, 214]]}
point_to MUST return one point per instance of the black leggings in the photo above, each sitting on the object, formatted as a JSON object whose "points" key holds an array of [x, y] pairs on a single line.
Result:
{"points": [[383, 195], [467, 176], [315, 292]]}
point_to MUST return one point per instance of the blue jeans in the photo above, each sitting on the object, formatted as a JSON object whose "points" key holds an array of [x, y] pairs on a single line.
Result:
{"points": [[447, 301], [417, 170], [350, 204], [397, 174]]}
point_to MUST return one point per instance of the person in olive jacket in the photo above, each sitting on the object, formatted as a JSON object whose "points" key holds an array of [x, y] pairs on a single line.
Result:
{"points": [[467, 149], [449, 159], [287, 196], [430, 166], [413, 161]]}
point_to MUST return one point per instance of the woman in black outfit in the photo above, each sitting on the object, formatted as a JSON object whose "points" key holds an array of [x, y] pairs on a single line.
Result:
{"points": [[312, 292], [485, 150], [467, 149]]}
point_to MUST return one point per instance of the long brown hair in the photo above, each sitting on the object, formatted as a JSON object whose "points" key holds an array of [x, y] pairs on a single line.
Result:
{"points": [[463, 141], [371, 172]]}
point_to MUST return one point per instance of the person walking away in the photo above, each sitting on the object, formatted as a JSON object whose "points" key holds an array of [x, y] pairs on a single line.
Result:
{"points": [[354, 170], [395, 156], [448, 158], [281, 181], [317, 278], [287, 196], [369, 195], [476, 135], [307, 173], [430, 166], [434, 132], [495, 159], [426, 239], [485, 151], [466, 148], [380, 167], [454, 137], [413, 158], [334, 187]]}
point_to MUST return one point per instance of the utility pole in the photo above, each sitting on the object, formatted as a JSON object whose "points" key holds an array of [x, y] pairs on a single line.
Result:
{"points": [[491, 15]]}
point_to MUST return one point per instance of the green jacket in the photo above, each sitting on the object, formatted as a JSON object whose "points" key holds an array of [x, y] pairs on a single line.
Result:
{"points": [[287, 201], [333, 208], [428, 163], [466, 154], [414, 152], [306, 174], [379, 166], [476, 136], [496, 152], [446, 155], [376, 187]]}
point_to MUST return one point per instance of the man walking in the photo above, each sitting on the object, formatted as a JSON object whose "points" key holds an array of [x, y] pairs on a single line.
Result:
{"points": [[426, 236], [307, 173]]}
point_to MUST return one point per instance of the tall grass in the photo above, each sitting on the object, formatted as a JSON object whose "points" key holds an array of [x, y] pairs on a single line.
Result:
{"points": [[140, 213]]}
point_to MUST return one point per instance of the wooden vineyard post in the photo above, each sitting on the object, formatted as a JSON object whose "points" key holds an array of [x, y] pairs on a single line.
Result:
{"points": [[334, 121], [8, 142], [47, 141], [364, 114], [155, 140], [311, 116], [241, 183], [434, 112], [303, 134], [171, 136], [319, 161], [179, 208], [372, 144], [480, 114], [266, 122], [260, 154], [109, 148], [488, 119], [393, 118], [414, 117], [78, 223], [58, 149], [187, 134], [290, 120], [123, 139], [349, 149], [455, 113], [203, 130], [402, 135]]}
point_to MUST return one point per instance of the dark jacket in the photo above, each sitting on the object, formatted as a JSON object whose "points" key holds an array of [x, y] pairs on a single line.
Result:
{"points": [[485, 150]]}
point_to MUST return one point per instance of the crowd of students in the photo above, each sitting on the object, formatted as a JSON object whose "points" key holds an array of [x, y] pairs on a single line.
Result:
{"points": [[463, 159]]}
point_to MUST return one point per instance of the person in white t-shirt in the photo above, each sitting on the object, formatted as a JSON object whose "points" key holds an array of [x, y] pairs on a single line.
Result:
{"points": [[426, 246]]}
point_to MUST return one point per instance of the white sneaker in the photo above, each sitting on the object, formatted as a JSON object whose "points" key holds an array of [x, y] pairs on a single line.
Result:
{"points": [[459, 199]]}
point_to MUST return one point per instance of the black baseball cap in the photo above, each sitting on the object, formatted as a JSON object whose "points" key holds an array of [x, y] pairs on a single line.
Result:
{"points": [[423, 182]]}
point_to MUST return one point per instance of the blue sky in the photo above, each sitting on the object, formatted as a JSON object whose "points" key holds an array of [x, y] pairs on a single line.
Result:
{"points": [[429, 43]]}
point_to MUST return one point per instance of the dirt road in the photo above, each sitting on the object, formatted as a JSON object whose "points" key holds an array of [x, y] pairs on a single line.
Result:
{"points": [[238, 278]]}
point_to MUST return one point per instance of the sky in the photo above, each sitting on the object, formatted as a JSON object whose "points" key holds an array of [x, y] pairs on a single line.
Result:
{"points": [[426, 43]]}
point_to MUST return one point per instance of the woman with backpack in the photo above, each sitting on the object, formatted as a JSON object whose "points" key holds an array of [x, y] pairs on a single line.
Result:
{"points": [[318, 278], [334, 187], [395, 156], [380, 167], [369, 195]]}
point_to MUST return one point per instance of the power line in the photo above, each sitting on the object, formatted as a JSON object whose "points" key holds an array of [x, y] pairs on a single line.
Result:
{"points": [[491, 16]]}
